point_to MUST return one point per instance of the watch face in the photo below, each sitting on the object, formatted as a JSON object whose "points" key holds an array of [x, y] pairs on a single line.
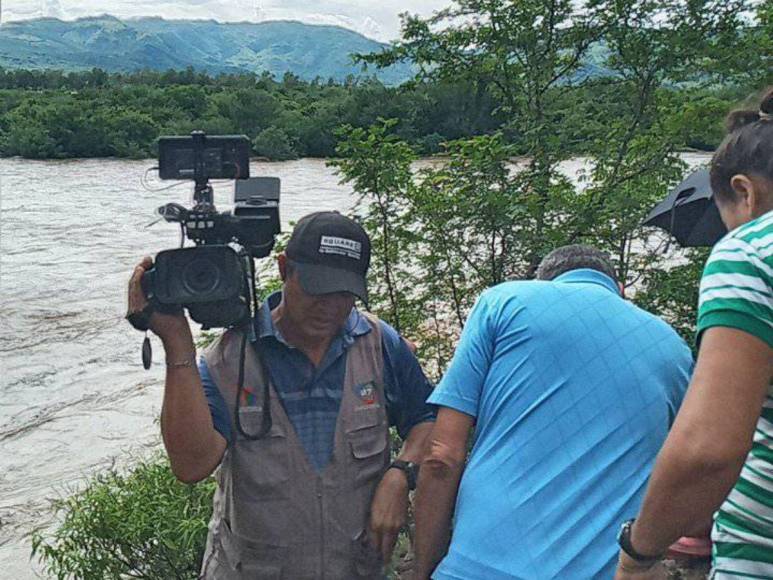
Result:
{"points": [[622, 531]]}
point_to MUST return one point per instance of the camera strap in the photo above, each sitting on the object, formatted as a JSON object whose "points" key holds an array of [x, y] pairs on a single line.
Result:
{"points": [[251, 329], [266, 421], [141, 321], [147, 352]]}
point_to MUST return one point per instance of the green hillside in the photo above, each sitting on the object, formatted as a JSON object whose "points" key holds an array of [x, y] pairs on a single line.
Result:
{"points": [[153, 43]]}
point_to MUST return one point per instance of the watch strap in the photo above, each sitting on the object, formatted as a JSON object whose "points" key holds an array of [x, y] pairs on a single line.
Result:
{"points": [[624, 541], [409, 469]]}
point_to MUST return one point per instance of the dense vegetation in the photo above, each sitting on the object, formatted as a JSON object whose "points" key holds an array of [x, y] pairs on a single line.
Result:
{"points": [[52, 114], [445, 235]]}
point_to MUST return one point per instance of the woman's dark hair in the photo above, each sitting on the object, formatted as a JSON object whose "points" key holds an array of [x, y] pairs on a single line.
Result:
{"points": [[747, 149]]}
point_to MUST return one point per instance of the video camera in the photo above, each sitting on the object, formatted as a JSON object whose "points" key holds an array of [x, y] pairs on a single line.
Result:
{"points": [[214, 280]]}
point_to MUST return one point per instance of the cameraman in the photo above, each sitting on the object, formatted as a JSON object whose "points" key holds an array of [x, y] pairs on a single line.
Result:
{"points": [[316, 496]]}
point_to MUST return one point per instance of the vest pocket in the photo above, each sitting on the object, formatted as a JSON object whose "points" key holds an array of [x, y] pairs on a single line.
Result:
{"points": [[364, 418], [367, 437], [368, 447], [262, 464], [244, 559]]}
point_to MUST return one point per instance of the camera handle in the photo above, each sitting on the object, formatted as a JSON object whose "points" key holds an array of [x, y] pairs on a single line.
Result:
{"points": [[202, 190], [203, 194]]}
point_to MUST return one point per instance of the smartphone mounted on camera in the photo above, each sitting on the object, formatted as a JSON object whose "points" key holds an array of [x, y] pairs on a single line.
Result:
{"points": [[217, 157]]}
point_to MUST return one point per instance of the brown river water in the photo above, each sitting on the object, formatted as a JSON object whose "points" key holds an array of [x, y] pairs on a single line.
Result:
{"points": [[74, 397]]}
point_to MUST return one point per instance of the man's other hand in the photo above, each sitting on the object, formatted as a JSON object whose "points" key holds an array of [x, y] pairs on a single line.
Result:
{"points": [[388, 512]]}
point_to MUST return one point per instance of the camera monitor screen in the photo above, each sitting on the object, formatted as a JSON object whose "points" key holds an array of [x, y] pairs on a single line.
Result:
{"points": [[222, 157], [264, 188]]}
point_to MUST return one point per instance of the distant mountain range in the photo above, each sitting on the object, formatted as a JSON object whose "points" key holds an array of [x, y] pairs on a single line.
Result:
{"points": [[114, 45]]}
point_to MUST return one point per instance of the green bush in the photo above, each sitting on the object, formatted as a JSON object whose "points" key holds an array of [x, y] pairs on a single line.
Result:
{"points": [[141, 524], [431, 144]]}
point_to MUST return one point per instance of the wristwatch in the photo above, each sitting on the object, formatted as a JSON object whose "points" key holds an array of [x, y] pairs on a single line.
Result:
{"points": [[411, 471], [624, 541]]}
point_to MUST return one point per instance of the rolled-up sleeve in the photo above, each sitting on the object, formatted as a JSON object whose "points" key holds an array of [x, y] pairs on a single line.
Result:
{"points": [[405, 385]]}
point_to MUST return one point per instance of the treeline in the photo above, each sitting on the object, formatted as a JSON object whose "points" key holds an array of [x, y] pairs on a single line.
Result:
{"points": [[50, 114], [53, 114]]}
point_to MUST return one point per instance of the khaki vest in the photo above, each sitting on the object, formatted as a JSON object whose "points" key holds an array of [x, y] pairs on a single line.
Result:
{"points": [[274, 515]]}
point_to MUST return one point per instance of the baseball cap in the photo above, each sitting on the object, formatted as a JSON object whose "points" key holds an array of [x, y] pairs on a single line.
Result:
{"points": [[331, 253]]}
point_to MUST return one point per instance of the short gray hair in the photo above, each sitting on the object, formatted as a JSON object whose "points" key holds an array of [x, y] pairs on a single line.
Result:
{"points": [[573, 257]]}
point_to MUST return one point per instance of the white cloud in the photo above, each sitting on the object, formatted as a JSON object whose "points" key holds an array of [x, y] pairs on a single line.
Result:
{"points": [[375, 18], [52, 9]]}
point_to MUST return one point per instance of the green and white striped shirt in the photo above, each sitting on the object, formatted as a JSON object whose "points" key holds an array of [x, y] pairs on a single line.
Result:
{"points": [[737, 292]]}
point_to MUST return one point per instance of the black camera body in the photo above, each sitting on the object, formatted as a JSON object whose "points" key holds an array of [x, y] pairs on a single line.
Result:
{"points": [[214, 280], [209, 281]]}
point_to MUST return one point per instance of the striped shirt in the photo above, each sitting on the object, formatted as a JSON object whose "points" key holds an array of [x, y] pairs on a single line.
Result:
{"points": [[737, 292]]}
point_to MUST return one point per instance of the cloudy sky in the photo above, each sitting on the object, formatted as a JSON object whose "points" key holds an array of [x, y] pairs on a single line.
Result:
{"points": [[375, 18]]}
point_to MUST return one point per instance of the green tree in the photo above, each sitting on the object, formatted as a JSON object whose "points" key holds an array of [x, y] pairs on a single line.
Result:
{"points": [[471, 224], [635, 160], [133, 133], [378, 165], [429, 111], [250, 110], [481, 219], [673, 292], [520, 51], [190, 99], [28, 139]]}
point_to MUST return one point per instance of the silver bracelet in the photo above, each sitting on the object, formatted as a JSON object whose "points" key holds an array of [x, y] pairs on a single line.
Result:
{"points": [[189, 362]]}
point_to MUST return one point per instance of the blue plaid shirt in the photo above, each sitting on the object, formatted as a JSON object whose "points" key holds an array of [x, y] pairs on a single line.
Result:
{"points": [[312, 396]]}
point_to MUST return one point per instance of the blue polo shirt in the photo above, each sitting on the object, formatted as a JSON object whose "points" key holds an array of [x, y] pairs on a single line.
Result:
{"points": [[311, 396], [573, 390]]}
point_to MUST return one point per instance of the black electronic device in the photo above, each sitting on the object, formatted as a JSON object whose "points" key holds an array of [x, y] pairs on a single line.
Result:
{"points": [[208, 280], [204, 157], [215, 279]]}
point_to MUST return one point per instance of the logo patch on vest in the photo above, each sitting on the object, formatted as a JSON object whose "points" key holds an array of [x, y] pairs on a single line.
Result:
{"points": [[366, 393]]}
